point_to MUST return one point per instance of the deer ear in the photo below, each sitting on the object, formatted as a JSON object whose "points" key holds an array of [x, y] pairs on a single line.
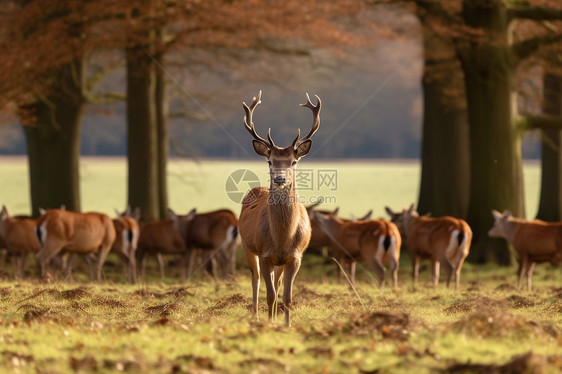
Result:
{"points": [[303, 148], [3, 213], [388, 211], [136, 214], [261, 149], [192, 213], [42, 211], [173, 216]]}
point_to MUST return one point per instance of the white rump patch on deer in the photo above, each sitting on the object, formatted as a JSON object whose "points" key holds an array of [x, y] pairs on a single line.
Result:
{"points": [[453, 245], [379, 255], [43, 231]]}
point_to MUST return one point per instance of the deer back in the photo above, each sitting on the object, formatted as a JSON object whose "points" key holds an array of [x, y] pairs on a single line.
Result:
{"points": [[81, 232], [19, 235], [541, 241], [160, 236], [209, 230]]}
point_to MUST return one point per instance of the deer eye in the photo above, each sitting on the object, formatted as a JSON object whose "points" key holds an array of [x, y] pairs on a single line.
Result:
{"points": [[269, 162], [294, 163]]}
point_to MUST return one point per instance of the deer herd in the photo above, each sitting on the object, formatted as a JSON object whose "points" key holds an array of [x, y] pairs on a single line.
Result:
{"points": [[274, 230]]}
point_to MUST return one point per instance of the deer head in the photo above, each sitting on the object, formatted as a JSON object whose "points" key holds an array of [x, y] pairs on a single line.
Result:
{"points": [[282, 161]]}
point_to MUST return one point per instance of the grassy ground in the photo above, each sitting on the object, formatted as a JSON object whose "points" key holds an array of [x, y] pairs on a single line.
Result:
{"points": [[206, 325]]}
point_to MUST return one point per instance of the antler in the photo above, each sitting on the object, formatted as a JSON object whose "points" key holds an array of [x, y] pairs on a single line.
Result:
{"points": [[249, 124], [315, 122]]}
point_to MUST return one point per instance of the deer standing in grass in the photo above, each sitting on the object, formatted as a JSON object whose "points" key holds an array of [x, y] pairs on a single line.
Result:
{"points": [[80, 233], [372, 241], [126, 240], [211, 235], [444, 240], [534, 241], [19, 238], [274, 224]]}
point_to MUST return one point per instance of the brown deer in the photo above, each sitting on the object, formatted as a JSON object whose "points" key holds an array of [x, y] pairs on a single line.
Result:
{"points": [[320, 243], [80, 233], [372, 241], [212, 234], [126, 241], [535, 241], [444, 240], [19, 238], [274, 224], [158, 238]]}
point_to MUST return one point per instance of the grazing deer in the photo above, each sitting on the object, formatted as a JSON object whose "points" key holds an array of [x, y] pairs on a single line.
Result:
{"points": [[214, 233], [19, 238], [126, 241], [372, 241], [319, 241], [535, 241], [158, 238], [444, 240], [274, 225], [80, 233]]}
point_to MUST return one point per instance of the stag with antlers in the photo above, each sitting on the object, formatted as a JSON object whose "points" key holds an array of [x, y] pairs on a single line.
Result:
{"points": [[274, 225]]}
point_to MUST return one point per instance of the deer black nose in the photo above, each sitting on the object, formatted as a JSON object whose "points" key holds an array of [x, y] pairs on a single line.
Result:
{"points": [[279, 180]]}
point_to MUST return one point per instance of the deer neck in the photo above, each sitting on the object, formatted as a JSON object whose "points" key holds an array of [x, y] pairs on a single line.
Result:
{"points": [[283, 209]]}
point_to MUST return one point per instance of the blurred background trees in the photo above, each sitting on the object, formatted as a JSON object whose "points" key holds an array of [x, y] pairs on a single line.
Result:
{"points": [[159, 65]]}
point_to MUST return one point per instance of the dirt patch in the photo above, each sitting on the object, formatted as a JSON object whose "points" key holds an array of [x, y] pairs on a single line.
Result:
{"points": [[5, 291], [517, 301], [75, 294], [473, 305], [497, 323], [506, 287], [110, 302], [162, 310], [228, 302], [390, 325], [178, 292], [527, 363]]}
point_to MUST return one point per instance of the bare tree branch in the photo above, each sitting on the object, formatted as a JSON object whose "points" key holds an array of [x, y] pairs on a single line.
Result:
{"points": [[541, 121], [534, 13], [525, 48], [106, 98]]}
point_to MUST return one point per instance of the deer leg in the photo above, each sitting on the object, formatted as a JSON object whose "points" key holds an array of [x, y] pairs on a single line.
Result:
{"points": [[47, 252], [104, 251], [393, 264], [458, 273], [142, 260], [268, 275], [291, 270], [132, 268], [352, 271], [523, 264], [436, 265], [254, 266], [448, 271], [530, 270], [416, 269], [160, 264], [67, 263], [232, 256]]}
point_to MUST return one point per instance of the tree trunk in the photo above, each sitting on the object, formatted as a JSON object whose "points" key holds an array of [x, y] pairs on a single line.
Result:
{"points": [[550, 203], [162, 112], [142, 144], [53, 142], [445, 174], [495, 143]]}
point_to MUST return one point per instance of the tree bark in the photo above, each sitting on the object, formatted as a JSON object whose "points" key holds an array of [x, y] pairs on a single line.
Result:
{"points": [[445, 174], [53, 141], [550, 203], [162, 112], [495, 143], [142, 145]]}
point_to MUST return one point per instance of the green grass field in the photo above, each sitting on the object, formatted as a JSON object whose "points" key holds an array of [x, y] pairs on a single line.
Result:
{"points": [[360, 185], [205, 326]]}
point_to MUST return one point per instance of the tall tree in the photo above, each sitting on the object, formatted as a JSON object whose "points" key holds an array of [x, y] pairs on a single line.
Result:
{"points": [[490, 59], [550, 202], [445, 173]]}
